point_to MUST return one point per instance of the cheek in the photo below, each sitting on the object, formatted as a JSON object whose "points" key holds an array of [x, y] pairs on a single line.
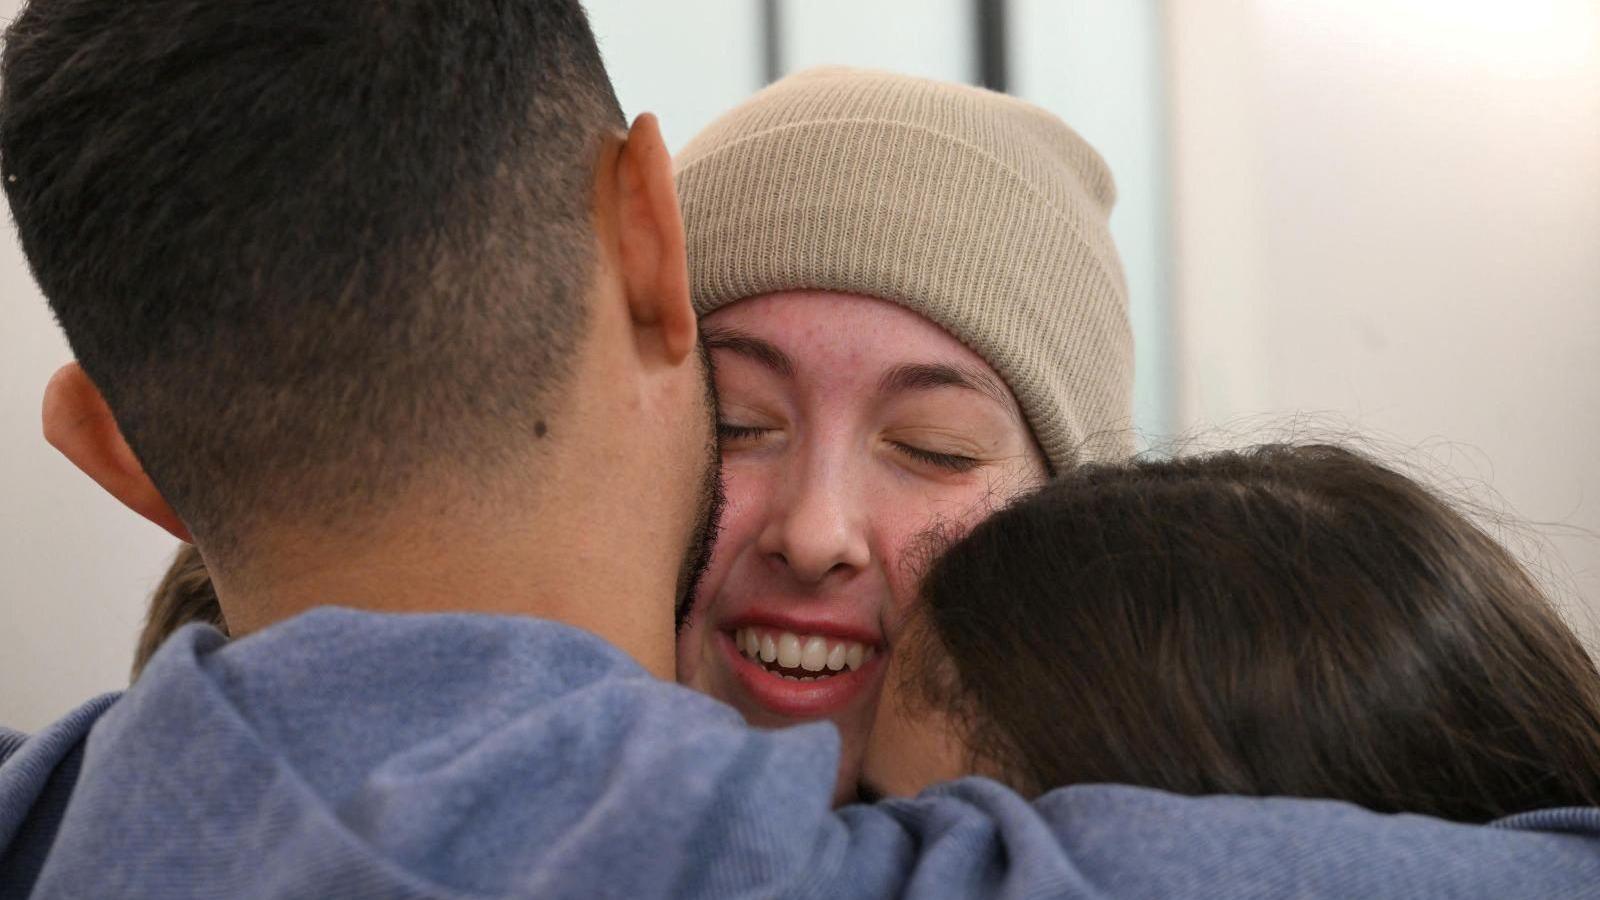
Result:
{"points": [[919, 518], [744, 490], [911, 746]]}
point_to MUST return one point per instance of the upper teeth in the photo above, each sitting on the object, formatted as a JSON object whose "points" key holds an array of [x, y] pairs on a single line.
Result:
{"points": [[813, 653]]}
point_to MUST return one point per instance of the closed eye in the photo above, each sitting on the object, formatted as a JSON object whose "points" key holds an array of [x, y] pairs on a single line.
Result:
{"points": [[727, 431], [949, 461]]}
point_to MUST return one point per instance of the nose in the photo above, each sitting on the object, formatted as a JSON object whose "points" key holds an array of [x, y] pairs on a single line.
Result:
{"points": [[818, 528]]}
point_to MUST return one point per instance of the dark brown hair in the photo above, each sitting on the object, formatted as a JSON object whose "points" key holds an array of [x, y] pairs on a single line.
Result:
{"points": [[1286, 620], [308, 248], [184, 595]]}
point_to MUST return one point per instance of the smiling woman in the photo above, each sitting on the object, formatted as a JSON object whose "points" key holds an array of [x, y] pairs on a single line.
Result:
{"points": [[915, 313], [849, 426]]}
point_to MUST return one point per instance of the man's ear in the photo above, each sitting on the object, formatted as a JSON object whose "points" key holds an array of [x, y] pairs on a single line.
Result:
{"points": [[78, 423], [655, 270]]}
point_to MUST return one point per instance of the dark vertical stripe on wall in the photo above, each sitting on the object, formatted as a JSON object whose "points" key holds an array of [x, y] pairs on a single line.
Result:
{"points": [[993, 64], [771, 39]]}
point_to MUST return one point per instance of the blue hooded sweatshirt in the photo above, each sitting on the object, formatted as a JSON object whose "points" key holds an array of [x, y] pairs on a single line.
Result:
{"points": [[346, 754]]}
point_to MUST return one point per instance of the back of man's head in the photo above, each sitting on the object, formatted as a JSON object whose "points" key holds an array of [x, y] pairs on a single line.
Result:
{"points": [[308, 248]]}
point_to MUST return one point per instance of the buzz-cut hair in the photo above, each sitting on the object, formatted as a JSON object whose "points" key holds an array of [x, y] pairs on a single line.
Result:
{"points": [[309, 249]]}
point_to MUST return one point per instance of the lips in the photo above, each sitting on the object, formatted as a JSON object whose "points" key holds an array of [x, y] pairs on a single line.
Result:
{"points": [[800, 674]]}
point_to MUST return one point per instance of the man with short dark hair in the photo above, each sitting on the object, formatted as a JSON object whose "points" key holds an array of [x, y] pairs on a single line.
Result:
{"points": [[381, 305], [325, 265]]}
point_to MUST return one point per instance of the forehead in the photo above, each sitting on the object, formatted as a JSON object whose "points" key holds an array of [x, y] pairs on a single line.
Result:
{"points": [[841, 336]]}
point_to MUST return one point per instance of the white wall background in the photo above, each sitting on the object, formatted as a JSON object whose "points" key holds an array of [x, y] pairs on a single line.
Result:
{"points": [[1388, 216], [684, 61], [1387, 210], [1099, 64]]}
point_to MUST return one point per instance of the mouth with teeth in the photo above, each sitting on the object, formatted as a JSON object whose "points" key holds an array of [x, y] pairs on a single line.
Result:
{"points": [[801, 657]]}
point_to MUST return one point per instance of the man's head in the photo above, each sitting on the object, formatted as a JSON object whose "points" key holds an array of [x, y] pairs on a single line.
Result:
{"points": [[271, 230], [321, 258]]}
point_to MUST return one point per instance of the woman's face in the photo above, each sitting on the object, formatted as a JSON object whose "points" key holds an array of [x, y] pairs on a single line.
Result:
{"points": [[850, 427]]}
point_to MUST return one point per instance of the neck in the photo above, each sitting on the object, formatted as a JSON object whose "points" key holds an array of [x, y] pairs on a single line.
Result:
{"points": [[562, 555], [589, 527]]}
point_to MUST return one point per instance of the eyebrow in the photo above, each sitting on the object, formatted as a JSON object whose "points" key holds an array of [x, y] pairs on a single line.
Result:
{"points": [[929, 376], [750, 347], [901, 378]]}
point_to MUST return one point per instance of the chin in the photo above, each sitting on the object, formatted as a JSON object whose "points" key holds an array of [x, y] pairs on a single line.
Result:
{"points": [[767, 695]]}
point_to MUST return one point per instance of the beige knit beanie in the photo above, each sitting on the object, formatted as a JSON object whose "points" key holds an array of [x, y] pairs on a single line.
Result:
{"points": [[981, 212]]}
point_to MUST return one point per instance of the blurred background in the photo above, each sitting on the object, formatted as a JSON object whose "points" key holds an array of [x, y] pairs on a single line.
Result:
{"points": [[1337, 216]]}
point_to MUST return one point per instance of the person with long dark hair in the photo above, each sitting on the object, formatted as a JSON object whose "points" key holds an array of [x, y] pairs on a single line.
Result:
{"points": [[1280, 621]]}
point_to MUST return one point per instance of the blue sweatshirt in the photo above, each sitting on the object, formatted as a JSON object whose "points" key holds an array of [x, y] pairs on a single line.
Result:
{"points": [[346, 754]]}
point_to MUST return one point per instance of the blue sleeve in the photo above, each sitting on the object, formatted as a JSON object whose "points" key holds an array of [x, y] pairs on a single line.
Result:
{"points": [[353, 755], [10, 740]]}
